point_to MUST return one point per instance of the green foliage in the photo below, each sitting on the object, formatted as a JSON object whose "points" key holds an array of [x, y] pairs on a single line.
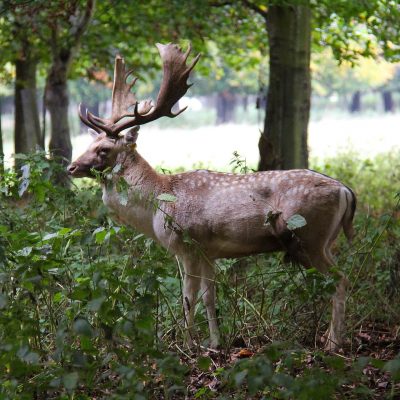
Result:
{"points": [[90, 309]]}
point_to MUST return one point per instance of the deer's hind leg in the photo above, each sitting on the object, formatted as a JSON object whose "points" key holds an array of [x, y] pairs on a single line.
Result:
{"points": [[314, 250]]}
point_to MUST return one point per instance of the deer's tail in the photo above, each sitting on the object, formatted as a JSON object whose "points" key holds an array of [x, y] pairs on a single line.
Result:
{"points": [[347, 221]]}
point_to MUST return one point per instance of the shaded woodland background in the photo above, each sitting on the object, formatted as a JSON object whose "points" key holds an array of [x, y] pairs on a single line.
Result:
{"points": [[90, 309]]}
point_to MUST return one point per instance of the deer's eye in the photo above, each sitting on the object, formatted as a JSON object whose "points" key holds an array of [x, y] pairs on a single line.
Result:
{"points": [[103, 152]]}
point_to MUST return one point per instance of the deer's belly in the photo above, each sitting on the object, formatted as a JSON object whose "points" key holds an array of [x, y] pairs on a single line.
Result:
{"points": [[233, 247]]}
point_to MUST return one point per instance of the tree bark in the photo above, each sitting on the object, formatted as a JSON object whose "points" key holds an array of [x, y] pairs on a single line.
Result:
{"points": [[27, 135], [56, 97], [57, 102], [283, 143], [388, 103], [1, 145]]}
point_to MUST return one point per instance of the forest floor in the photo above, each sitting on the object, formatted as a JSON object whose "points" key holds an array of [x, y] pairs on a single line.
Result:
{"points": [[371, 341]]}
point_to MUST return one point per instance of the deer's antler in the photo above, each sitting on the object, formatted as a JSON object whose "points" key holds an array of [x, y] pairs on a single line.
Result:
{"points": [[174, 85]]}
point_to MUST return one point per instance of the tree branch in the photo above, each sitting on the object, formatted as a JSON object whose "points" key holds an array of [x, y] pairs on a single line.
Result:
{"points": [[255, 8], [220, 3], [80, 26]]}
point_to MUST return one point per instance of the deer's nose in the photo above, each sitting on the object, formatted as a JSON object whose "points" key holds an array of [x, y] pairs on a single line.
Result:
{"points": [[72, 168]]}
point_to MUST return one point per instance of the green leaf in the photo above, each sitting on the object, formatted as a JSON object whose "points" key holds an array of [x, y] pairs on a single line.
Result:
{"points": [[70, 380], [95, 304], [100, 234], [26, 171], [122, 190], [50, 236], [116, 168], [271, 217], [239, 377], [25, 252], [28, 356], [166, 197], [25, 179], [204, 363], [58, 297], [82, 327], [64, 231], [79, 293], [3, 301], [393, 366], [296, 221]]}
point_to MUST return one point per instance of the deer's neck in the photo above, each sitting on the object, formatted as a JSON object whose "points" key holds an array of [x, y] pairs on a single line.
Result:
{"points": [[139, 175], [131, 192]]}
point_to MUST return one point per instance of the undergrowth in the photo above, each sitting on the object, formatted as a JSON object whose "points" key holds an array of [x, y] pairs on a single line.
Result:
{"points": [[90, 309]]}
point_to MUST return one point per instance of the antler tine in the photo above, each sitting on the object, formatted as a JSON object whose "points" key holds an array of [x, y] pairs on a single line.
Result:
{"points": [[100, 124], [134, 80], [83, 116]]}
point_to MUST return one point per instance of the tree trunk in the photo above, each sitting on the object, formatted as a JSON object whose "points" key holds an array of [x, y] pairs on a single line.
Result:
{"points": [[355, 105], [388, 104], [56, 96], [27, 135], [1, 145], [226, 104], [57, 102], [283, 144]]}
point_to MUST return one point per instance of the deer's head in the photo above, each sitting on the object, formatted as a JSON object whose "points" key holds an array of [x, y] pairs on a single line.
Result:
{"points": [[102, 153], [127, 112]]}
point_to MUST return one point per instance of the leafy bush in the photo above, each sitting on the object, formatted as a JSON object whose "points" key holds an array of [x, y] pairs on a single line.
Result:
{"points": [[91, 309]]}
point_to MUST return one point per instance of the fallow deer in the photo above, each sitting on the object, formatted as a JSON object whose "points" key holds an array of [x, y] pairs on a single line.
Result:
{"points": [[227, 215]]}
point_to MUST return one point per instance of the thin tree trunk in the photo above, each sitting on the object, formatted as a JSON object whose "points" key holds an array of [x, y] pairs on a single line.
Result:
{"points": [[283, 143], [1, 144], [226, 104], [56, 95], [27, 134], [355, 105], [57, 102], [388, 103]]}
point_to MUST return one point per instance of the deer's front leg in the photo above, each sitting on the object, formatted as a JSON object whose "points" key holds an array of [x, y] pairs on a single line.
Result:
{"points": [[208, 295], [191, 286]]}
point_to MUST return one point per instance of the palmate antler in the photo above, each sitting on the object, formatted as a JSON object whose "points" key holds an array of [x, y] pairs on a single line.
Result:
{"points": [[174, 85]]}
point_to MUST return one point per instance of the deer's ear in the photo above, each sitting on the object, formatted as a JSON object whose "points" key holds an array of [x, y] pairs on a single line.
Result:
{"points": [[131, 136], [93, 133]]}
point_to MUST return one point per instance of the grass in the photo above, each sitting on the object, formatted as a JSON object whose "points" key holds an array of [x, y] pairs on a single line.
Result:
{"points": [[90, 309]]}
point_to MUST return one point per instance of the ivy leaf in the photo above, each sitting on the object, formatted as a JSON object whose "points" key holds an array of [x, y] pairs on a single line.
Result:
{"points": [[296, 221], [166, 197]]}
